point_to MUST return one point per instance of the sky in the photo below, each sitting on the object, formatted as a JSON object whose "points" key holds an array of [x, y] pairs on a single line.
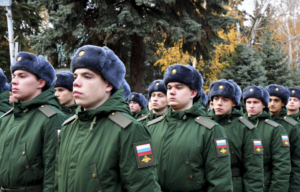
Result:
{"points": [[248, 6]]}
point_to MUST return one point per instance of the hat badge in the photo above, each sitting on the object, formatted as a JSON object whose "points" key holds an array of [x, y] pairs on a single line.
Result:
{"points": [[19, 59], [157, 84], [132, 95], [81, 53], [277, 89], [221, 87], [173, 71], [293, 91], [251, 90], [55, 78]]}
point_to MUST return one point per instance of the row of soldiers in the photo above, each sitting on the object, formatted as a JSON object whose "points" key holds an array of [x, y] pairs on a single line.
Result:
{"points": [[85, 131]]}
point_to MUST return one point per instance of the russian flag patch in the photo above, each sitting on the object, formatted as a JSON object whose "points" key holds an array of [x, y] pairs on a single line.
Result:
{"points": [[222, 147], [285, 140], [57, 133], [258, 149], [144, 154]]}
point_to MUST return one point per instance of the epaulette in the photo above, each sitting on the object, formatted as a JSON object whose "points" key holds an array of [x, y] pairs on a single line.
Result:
{"points": [[48, 111], [205, 122], [8, 112], [272, 123], [120, 119], [290, 120], [142, 118], [246, 122], [158, 119], [69, 120]]}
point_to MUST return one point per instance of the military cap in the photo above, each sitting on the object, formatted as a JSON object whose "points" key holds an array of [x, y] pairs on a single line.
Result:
{"points": [[36, 65], [139, 98], [294, 92], [126, 88], [279, 91], [64, 79], [257, 92], [3, 84], [157, 85], [204, 97], [225, 88], [101, 60], [185, 74]]}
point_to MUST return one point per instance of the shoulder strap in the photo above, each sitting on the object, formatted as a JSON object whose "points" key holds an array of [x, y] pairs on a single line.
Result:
{"points": [[155, 120], [246, 122], [272, 123], [69, 120], [120, 119], [205, 122], [8, 112], [48, 111], [142, 118], [290, 120]]}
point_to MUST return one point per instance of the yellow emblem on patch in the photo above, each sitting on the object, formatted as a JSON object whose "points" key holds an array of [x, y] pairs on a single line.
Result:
{"points": [[132, 95], [157, 84], [221, 87], [258, 149], [251, 90], [19, 59], [146, 159], [293, 91], [173, 71], [277, 89], [55, 78], [223, 150], [286, 142], [81, 53]]}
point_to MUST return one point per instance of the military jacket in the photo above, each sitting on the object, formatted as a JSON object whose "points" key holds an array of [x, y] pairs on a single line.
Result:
{"points": [[100, 150], [69, 110], [188, 155], [292, 128], [140, 114], [246, 150], [277, 163], [144, 120], [28, 142], [4, 102], [295, 116]]}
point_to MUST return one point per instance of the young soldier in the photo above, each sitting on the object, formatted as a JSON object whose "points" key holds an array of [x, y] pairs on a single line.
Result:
{"points": [[103, 148], [277, 165], [294, 104], [243, 137], [157, 94], [189, 147], [279, 97], [28, 131], [137, 104], [63, 87], [4, 94]]}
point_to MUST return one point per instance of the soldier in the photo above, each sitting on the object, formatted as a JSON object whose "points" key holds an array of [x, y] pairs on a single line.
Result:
{"points": [[28, 131], [210, 103], [138, 105], [294, 104], [243, 137], [4, 94], [279, 97], [186, 143], [157, 94], [103, 148], [63, 87], [277, 165]]}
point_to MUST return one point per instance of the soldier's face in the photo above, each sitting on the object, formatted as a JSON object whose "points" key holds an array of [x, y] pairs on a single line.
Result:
{"points": [[293, 104], [254, 106], [26, 86], [134, 107], [11, 97], [211, 105], [159, 101], [223, 105], [180, 96], [90, 90], [275, 105], [64, 95]]}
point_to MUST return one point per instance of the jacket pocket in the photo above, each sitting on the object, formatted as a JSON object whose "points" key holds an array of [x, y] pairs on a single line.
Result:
{"points": [[27, 165], [94, 176]]}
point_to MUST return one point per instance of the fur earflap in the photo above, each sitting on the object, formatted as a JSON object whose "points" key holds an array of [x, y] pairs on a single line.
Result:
{"points": [[204, 98], [279, 91], [64, 79], [126, 88], [257, 92]]}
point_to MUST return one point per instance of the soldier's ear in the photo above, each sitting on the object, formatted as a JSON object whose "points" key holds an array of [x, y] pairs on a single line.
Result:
{"points": [[41, 83]]}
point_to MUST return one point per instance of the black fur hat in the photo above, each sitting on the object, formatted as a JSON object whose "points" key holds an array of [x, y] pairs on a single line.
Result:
{"points": [[157, 85], [294, 92], [64, 79], [256, 92], [139, 98], [204, 97], [126, 88], [225, 88], [3, 84], [279, 91]]}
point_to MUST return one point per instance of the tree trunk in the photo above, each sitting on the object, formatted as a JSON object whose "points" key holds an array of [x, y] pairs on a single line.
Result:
{"points": [[137, 65]]}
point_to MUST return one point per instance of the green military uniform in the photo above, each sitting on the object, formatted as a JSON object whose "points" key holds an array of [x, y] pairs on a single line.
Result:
{"points": [[97, 151], [69, 110], [144, 120], [277, 165], [28, 142], [4, 102], [295, 116], [143, 112], [185, 144], [292, 128], [246, 158]]}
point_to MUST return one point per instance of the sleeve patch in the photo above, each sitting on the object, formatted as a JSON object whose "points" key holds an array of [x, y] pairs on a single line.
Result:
{"points": [[144, 154], [57, 133], [285, 140], [222, 147], [258, 149]]}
